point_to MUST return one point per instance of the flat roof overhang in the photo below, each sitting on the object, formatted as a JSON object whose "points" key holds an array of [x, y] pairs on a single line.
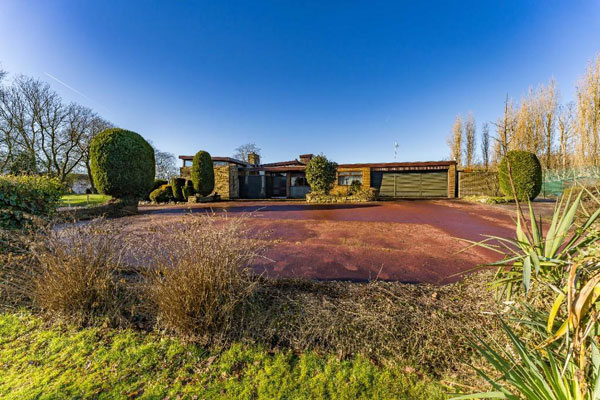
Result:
{"points": [[224, 159], [299, 168], [416, 164]]}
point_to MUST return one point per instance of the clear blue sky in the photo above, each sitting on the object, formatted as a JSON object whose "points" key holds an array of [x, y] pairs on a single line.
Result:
{"points": [[345, 78]]}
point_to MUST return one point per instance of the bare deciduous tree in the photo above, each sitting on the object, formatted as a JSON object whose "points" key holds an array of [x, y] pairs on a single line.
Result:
{"points": [[485, 145], [241, 153], [166, 167], [565, 124], [469, 140], [455, 140], [588, 116], [548, 105], [39, 133], [506, 128]]}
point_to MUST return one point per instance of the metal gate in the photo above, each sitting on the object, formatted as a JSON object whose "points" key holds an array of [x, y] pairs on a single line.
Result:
{"points": [[413, 184], [252, 187]]}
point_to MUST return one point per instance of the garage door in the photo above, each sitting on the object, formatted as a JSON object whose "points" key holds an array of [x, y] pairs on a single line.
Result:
{"points": [[413, 184]]}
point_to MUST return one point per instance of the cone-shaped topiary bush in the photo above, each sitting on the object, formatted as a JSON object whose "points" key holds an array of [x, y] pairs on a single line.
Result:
{"points": [[202, 173], [320, 174], [526, 172], [122, 164]]}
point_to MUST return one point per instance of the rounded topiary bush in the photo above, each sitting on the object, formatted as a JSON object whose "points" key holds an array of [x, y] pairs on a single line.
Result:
{"points": [[177, 184], [157, 183], [320, 174], [162, 195], [188, 189], [122, 164], [202, 173], [526, 172]]}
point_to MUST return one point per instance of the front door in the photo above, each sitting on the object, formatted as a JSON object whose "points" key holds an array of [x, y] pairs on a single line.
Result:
{"points": [[279, 182]]}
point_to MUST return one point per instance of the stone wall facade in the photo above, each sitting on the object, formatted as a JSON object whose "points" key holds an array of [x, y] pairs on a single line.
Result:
{"points": [[452, 181], [227, 183]]}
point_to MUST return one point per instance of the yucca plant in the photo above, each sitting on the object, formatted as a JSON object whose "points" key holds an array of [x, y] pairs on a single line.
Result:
{"points": [[533, 254], [567, 259], [535, 374]]}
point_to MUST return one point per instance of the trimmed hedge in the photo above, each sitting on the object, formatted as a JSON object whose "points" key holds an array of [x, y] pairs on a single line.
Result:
{"points": [[177, 185], [202, 173], [157, 183], [24, 198], [162, 195], [188, 189], [320, 174], [526, 172], [357, 196], [122, 164]]}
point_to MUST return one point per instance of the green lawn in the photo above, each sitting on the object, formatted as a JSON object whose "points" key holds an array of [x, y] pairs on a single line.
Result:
{"points": [[82, 200], [38, 361]]}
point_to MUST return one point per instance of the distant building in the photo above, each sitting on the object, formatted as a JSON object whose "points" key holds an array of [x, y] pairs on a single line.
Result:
{"points": [[79, 183]]}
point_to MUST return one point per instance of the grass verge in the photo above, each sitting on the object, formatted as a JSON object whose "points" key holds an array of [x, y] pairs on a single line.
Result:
{"points": [[83, 200], [38, 361]]}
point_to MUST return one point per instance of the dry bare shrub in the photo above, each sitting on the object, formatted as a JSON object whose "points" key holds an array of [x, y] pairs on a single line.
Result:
{"points": [[424, 325], [77, 273], [199, 275], [14, 259]]}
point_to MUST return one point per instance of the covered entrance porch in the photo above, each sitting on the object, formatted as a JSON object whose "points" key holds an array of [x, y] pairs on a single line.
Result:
{"points": [[269, 184]]}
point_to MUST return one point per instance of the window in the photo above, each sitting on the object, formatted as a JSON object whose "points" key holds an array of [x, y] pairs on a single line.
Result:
{"points": [[298, 180], [348, 177], [220, 163], [187, 163]]}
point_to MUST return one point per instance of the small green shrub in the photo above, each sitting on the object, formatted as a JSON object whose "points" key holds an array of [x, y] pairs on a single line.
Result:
{"points": [[320, 174], [24, 198], [188, 189], [526, 172], [157, 183], [177, 185], [162, 195], [355, 187], [122, 164], [202, 173]]}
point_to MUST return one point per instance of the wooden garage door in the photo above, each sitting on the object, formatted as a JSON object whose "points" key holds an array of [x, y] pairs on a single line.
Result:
{"points": [[414, 184]]}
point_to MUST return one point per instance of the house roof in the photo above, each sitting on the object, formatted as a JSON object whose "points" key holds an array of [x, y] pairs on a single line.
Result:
{"points": [[224, 159], [401, 164], [296, 165], [283, 164]]}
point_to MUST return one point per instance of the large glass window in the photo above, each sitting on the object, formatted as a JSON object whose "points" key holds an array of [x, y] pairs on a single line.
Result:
{"points": [[346, 178], [220, 163], [298, 180], [187, 163]]}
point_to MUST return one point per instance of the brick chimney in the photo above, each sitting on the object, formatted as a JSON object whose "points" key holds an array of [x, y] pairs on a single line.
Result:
{"points": [[253, 158], [305, 158]]}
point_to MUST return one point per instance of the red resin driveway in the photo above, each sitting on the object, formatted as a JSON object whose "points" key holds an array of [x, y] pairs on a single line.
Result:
{"points": [[409, 241]]}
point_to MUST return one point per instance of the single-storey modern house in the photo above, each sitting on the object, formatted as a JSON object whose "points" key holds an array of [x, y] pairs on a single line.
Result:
{"points": [[286, 179]]}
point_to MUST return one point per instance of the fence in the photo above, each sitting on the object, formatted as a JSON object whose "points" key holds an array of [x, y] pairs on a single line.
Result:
{"points": [[478, 183], [556, 181]]}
